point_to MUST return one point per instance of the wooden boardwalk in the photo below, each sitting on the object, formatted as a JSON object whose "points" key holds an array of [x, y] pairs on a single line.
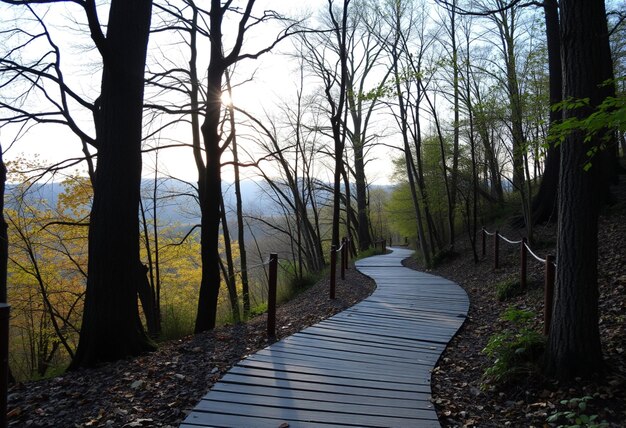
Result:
{"points": [[368, 366]]}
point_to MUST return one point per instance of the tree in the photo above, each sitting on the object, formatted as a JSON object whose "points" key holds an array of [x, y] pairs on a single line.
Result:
{"points": [[111, 328], [544, 203], [363, 55], [4, 236], [574, 347], [208, 157]]}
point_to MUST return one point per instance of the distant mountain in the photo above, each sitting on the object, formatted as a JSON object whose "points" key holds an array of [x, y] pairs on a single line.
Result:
{"points": [[176, 200]]}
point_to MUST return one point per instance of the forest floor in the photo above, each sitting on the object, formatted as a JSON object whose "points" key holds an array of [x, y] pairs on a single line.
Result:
{"points": [[160, 388], [461, 396]]}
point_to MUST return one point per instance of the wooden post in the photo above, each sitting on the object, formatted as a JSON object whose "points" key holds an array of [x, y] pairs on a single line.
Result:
{"points": [[548, 296], [496, 249], [349, 244], [4, 361], [333, 268], [384, 246], [484, 242], [523, 263], [343, 258], [271, 298]]}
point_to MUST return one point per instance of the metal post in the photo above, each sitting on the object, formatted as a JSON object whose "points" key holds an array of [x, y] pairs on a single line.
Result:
{"points": [[484, 242], [271, 298], [496, 249], [333, 268], [548, 296], [4, 361], [523, 260]]}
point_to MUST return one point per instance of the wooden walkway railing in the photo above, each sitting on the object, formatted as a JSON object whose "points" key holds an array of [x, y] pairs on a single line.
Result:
{"points": [[367, 366], [549, 269]]}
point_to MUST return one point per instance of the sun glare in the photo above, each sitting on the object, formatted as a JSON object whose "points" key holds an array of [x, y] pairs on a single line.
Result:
{"points": [[226, 99]]}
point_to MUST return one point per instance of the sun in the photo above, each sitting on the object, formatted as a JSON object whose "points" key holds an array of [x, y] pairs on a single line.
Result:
{"points": [[226, 99]]}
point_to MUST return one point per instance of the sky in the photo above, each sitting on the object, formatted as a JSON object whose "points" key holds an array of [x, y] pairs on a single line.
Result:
{"points": [[275, 77]]}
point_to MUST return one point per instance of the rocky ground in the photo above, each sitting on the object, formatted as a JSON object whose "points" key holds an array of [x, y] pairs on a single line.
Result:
{"points": [[459, 392], [158, 389]]}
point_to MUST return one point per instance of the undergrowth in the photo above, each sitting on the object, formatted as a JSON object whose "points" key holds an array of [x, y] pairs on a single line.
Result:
{"points": [[508, 288], [516, 351]]}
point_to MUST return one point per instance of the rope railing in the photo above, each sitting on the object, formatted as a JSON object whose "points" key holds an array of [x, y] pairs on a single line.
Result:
{"points": [[539, 259], [509, 241], [549, 269]]}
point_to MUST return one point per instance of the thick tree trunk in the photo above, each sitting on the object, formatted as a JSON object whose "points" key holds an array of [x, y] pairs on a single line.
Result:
{"points": [[111, 328], [544, 205], [574, 341]]}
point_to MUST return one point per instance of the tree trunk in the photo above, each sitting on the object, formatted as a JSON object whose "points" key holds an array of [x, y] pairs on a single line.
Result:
{"points": [[111, 328], [574, 341], [4, 236], [544, 204], [363, 228], [338, 128], [241, 234], [454, 173], [230, 279], [146, 287]]}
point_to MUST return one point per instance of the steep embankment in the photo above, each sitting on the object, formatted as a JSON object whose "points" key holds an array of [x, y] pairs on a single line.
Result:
{"points": [[459, 393]]}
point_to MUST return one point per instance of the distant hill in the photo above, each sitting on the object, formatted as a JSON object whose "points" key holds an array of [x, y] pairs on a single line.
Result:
{"points": [[176, 200]]}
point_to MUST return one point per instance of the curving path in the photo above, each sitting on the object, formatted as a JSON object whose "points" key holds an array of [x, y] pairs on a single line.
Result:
{"points": [[368, 366]]}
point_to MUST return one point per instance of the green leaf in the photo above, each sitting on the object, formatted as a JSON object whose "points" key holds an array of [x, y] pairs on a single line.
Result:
{"points": [[553, 418]]}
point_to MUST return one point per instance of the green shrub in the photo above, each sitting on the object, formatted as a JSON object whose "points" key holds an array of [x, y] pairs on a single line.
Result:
{"points": [[575, 415], [176, 323], [258, 309], [507, 289], [368, 253], [516, 351]]}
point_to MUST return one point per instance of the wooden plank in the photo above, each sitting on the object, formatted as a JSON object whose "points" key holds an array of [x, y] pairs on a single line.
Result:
{"points": [[217, 420], [343, 365], [331, 397], [425, 342], [327, 379], [320, 406], [287, 414], [325, 338], [417, 393], [337, 372], [348, 354]]}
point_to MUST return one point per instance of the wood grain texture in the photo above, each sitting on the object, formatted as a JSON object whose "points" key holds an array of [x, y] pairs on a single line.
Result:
{"points": [[368, 366]]}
